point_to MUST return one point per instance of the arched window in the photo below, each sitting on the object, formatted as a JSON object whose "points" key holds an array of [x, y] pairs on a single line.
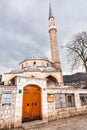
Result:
{"points": [[22, 66], [34, 63], [47, 64]]}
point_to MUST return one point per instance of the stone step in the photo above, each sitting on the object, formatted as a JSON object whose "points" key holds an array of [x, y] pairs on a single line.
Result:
{"points": [[33, 124]]}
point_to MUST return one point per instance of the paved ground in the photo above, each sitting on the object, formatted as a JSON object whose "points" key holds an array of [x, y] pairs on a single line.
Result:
{"points": [[75, 123]]}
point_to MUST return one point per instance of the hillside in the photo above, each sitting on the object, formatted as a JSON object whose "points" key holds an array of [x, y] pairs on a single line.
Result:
{"points": [[78, 77]]}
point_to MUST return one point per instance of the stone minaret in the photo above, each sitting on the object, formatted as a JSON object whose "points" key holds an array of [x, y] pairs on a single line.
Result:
{"points": [[53, 40]]}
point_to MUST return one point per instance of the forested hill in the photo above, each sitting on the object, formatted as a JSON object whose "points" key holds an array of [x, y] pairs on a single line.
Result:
{"points": [[78, 77]]}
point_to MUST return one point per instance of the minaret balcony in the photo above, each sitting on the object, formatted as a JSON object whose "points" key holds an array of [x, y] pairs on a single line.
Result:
{"points": [[52, 27]]}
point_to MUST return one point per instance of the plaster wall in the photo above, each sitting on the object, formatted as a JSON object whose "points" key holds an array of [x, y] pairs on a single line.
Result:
{"points": [[38, 74], [40, 63]]}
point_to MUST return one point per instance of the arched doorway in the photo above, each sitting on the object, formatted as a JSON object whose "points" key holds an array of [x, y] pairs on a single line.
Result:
{"points": [[31, 103]]}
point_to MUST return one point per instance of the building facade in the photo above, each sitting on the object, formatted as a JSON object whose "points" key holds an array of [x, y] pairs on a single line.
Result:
{"points": [[36, 90]]}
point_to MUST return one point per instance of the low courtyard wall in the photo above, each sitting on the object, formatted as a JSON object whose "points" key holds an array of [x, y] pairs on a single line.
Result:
{"points": [[64, 103], [7, 106], [59, 103], [67, 112]]}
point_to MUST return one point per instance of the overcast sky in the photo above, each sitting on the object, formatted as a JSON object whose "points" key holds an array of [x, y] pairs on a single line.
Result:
{"points": [[24, 29]]}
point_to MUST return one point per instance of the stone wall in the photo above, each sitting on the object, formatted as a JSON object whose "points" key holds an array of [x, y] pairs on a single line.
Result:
{"points": [[7, 110], [21, 83], [55, 107], [66, 110]]}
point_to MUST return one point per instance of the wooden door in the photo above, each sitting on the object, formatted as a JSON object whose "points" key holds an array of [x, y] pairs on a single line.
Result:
{"points": [[31, 103], [36, 104]]}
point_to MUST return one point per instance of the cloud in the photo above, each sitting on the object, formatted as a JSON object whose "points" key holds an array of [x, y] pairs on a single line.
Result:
{"points": [[24, 28]]}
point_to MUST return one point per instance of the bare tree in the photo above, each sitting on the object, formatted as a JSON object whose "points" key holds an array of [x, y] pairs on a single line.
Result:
{"points": [[77, 51]]}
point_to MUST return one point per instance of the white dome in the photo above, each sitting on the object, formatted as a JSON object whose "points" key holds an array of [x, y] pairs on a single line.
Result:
{"points": [[17, 71], [33, 68], [49, 69], [37, 56]]}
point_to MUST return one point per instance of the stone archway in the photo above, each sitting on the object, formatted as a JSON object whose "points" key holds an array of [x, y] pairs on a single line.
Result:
{"points": [[51, 82], [31, 108]]}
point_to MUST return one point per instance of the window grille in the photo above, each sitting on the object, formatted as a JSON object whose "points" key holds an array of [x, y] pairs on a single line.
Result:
{"points": [[64, 100], [60, 101], [83, 99], [6, 98]]}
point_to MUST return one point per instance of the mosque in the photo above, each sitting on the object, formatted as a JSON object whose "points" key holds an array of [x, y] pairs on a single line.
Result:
{"points": [[36, 90]]}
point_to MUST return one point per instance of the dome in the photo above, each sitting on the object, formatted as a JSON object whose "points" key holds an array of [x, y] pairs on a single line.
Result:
{"points": [[48, 69], [37, 56], [33, 68], [17, 71]]}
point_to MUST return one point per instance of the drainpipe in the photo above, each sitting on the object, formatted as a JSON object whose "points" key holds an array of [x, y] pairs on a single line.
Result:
{"points": [[10, 114]]}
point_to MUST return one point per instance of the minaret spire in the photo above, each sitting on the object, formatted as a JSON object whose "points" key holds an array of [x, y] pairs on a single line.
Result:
{"points": [[50, 11], [53, 40]]}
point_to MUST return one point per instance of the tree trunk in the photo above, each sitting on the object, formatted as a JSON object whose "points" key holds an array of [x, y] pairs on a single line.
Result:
{"points": [[85, 67]]}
